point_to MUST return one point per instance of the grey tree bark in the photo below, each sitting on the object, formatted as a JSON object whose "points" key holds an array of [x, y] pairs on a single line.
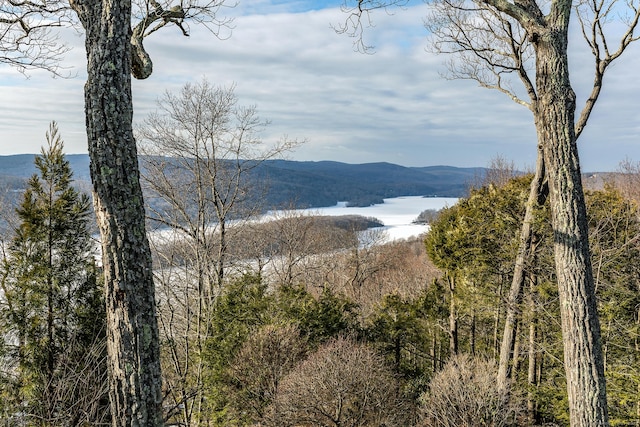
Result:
{"points": [[537, 196], [554, 115], [115, 51], [553, 110], [133, 346], [494, 38]]}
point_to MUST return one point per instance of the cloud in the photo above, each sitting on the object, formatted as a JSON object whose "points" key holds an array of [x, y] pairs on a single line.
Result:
{"points": [[286, 59]]}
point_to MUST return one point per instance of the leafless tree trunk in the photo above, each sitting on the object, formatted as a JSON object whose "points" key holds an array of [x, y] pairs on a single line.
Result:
{"points": [[200, 150], [495, 38], [554, 115], [453, 317], [532, 356], [537, 196], [114, 53], [134, 363]]}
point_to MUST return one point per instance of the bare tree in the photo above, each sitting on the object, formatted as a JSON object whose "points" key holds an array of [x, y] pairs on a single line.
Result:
{"points": [[114, 34], [79, 389], [259, 367], [301, 243], [344, 383], [628, 180], [28, 34], [199, 148], [463, 394], [499, 171], [496, 39]]}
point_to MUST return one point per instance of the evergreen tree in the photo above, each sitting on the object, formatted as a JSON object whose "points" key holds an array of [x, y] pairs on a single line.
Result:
{"points": [[53, 311]]}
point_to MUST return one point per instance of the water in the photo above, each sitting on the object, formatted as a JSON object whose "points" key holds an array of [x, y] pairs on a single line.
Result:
{"points": [[396, 213]]}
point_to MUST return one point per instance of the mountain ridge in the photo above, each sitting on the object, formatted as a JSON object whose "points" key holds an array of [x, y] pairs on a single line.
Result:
{"points": [[309, 183]]}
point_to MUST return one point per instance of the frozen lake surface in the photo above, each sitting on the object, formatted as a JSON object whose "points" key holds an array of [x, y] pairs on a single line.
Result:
{"points": [[396, 213]]}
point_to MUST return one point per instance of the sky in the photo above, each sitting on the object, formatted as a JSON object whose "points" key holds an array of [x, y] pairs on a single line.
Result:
{"points": [[393, 105]]}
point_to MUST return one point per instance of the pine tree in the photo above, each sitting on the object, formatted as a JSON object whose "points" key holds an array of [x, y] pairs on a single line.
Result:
{"points": [[53, 315]]}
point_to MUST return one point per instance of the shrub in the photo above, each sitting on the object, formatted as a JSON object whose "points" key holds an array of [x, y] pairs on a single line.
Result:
{"points": [[255, 374], [464, 394], [344, 383]]}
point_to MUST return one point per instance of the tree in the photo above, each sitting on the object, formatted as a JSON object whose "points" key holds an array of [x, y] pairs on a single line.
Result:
{"points": [[52, 309], [245, 317], [242, 308], [499, 172], [482, 263], [200, 149], [115, 51], [463, 394], [343, 384], [444, 239], [538, 193], [398, 329], [114, 47], [614, 228], [628, 179], [300, 245], [27, 34], [495, 39], [259, 367]]}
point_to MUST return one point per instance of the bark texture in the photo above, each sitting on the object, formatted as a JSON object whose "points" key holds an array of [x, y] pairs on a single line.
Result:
{"points": [[553, 106], [537, 196], [554, 115], [133, 347]]}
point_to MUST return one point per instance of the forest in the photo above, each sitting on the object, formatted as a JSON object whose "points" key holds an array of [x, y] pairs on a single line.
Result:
{"points": [[302, 321], [404, 347]]}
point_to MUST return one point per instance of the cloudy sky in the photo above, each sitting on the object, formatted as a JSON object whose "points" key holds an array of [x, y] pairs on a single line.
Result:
{"points": [[393, 105]]}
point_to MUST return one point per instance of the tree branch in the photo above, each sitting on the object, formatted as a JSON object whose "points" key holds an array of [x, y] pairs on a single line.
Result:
{"points": [[592, 15], [27, 39], [155, 16], [488, 45], [359, 17]]}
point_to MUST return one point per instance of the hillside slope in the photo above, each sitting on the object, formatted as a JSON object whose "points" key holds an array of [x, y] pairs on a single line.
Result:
{"points": [[306, 184]]}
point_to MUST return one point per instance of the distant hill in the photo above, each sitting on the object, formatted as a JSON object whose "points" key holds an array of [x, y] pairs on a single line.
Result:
{"points": [[22, 166], [324, 183], [306, 184]]}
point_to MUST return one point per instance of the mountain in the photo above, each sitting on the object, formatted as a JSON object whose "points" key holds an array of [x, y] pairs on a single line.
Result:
{"points": [[324, 183], [22, 166], [306, 184]]}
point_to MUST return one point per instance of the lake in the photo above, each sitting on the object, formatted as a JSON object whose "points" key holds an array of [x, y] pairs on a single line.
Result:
{"points": [[396, 213]]}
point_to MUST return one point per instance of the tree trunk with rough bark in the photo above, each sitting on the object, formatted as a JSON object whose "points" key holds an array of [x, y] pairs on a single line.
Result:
{"points": [[537, 196], [532, 410], [133, 347], [554, 117], [453, 318]]}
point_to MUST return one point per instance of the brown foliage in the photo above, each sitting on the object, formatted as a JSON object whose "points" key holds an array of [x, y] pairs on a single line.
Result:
{"points": [[464, 394], [344, 383], [264, 359]]}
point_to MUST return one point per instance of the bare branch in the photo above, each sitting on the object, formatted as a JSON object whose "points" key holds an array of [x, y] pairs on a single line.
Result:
{"points": [[28, 34], [593, 16], [153, 15], [488, 46], [359, 18]]}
